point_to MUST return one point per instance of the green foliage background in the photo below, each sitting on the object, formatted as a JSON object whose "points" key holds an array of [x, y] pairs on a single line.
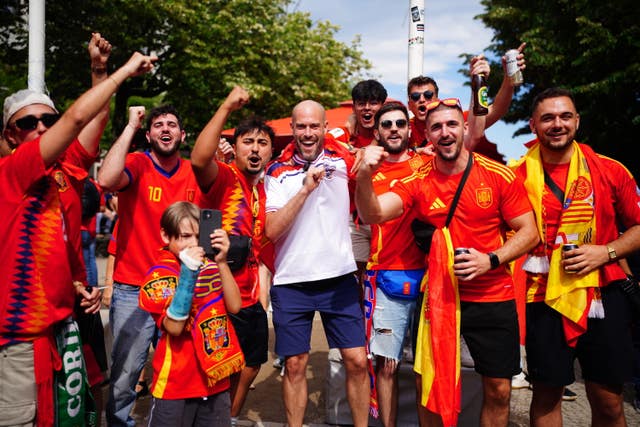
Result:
{"points": [[589, 47], [205, 47]]}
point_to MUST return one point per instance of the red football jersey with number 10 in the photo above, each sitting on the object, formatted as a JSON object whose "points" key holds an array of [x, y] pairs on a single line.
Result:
{"points": [[140, 206]]}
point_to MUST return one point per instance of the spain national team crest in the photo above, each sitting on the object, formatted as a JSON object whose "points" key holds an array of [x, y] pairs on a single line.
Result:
{"points": [[215, 333], [61, 180], [484, 197], [191, 195], [583, 189]]}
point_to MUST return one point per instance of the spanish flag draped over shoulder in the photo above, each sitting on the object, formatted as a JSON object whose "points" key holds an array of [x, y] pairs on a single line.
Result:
{"points": [[438, 350]]}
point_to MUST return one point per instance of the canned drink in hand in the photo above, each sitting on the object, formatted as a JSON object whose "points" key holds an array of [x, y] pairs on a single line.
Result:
{"points": [[459, 251], [568, 247], [513, 71]]}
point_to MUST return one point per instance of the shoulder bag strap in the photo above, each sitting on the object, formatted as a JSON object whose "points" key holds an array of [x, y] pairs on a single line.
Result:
{"points": [[459, 190]]}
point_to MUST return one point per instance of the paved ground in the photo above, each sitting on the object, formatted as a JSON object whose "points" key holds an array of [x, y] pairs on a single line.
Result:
{"points": [[264, 407]]}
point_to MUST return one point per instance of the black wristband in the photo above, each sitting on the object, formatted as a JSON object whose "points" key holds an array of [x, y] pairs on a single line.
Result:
{"points": [[495, 261]]}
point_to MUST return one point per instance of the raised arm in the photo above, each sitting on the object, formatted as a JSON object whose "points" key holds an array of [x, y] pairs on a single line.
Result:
{"points": [[99, 51], [204, 151], [476, 124], [84, 109], [111, 175], [503, 98]]}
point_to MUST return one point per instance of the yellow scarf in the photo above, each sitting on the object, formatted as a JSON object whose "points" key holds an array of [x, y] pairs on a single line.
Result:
{"points": [[566, 293]]}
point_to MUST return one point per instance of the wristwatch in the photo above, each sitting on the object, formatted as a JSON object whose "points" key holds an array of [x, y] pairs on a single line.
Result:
{"points": [[495, 261], [612, 253]]}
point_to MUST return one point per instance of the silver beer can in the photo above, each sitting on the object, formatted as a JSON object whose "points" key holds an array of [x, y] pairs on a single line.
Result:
{"points": [[513, 71]]}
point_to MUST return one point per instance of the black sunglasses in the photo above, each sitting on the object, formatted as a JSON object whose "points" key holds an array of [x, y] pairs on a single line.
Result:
{"points": [[31, 122], [415, 96], [400, 123]]}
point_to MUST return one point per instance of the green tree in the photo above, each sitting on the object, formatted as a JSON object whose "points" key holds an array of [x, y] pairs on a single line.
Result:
{"points": [[591, 48], [205, 48]]}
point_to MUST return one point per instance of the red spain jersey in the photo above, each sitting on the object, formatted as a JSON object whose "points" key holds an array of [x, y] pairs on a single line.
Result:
{"points": [[418, 136], [491, 196], [141, 203], [392, 247], [41, 249], [177, 373], [242, 206]]}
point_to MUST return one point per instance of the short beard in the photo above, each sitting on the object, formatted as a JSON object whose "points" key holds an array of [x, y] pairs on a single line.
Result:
{"points": [[395, 150], [157, 149]]}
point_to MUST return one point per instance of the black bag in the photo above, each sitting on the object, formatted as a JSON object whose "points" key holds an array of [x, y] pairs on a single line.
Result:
{"points": [[422, 234], [239, 249], [90, 200]]}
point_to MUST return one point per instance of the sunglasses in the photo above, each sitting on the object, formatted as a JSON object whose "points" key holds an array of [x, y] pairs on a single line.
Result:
{"points": [[400, 123], [449, 102], [415, 96], [31, 122]]}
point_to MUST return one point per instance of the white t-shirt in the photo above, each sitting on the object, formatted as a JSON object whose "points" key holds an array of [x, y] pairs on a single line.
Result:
{"points": [[318, 244]]}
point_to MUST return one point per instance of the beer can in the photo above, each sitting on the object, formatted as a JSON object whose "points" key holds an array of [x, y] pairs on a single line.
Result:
{"points": [[569, 247], [513, 71], [458, 251]]}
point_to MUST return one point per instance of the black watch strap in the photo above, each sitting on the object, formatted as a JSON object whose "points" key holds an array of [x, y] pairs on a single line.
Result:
{"points": [[495, 261]]}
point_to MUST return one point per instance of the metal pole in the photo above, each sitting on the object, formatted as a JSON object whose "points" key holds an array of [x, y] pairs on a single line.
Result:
{"points": [[36, 45], [416, 38]]}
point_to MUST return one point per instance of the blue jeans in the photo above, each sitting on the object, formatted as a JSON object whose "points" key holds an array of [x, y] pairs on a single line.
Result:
{"points": [[133, 330], [89, 254]]}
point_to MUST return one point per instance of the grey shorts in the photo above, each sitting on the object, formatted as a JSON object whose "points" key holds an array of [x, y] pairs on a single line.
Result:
{"points": [[214, 410], [360, 241], [17, 385]]}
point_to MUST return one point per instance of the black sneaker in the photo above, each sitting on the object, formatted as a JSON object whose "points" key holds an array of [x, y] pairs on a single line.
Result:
{"points": [[568, 395]]}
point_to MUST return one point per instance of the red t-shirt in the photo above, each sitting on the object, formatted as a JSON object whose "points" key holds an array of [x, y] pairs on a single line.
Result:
{"points": [[491, 196], [391, 246], [418, 136], [176, 371], [243, 214], [342, 134], [41, 248], [150, 191]]}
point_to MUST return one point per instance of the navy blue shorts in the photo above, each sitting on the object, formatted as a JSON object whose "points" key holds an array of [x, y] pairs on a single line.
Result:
{"points": [[338, 302], [605, 351]]}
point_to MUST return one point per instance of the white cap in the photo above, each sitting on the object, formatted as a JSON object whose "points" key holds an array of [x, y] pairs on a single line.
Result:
{"points": [[23, 98]]}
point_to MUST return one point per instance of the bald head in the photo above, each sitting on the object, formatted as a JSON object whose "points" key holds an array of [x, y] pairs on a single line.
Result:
{"points": [[308, 123], [308, 106]]}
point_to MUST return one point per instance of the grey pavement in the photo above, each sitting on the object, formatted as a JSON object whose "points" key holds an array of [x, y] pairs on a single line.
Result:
{"points": [[264, 408]]}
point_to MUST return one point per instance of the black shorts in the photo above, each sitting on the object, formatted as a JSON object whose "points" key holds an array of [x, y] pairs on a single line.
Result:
{"points": [[605, 351], [252, 330], [490, 330]]}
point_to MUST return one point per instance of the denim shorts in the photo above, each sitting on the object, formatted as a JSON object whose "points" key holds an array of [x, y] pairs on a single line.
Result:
{"points": [[391, 320]]}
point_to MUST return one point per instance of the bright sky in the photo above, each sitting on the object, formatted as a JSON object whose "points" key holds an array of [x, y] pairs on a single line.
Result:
{"points": [[450, 30]]}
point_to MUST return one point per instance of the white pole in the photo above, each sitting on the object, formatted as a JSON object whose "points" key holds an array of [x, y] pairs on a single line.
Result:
{"points": [[36, 45], [416, 37]]}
